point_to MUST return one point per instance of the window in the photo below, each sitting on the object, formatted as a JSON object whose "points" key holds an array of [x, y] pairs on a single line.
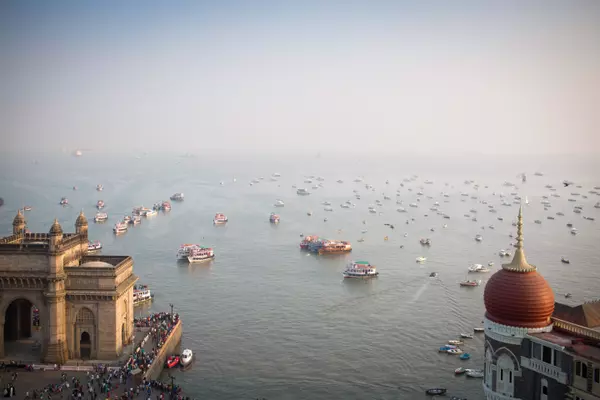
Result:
{"points": [[557, 358], [536, 351], [597, 375], [578, 368], [509, 376], [547, 354], [544, 390], [501, 374], [583, 370]]}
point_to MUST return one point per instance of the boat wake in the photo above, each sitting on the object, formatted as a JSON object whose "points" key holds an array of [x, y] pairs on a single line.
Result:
{"points": [[421, 290]]}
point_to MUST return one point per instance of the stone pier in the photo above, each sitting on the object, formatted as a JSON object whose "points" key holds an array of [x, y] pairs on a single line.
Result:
{"points": [[165, 351]]}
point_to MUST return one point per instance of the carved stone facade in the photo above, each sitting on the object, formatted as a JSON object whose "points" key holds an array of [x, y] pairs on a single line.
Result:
{"points": [[85, 302]]}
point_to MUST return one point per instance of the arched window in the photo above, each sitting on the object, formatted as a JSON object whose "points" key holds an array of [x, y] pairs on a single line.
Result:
{"points": [[85, 317], [505, 375], [488, 368]]}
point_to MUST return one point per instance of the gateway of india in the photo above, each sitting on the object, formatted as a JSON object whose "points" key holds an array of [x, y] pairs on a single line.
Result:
{"points": [[57, 303]]}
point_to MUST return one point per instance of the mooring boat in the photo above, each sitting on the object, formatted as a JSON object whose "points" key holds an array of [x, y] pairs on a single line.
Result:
{"points": [[100, 204], [201, 254], [172, 361], [220, 219], [99, 188], [64, 201], [334, 247], [470, 283], [141, 295], [120, 227], [185, 250], [94, 246], [186, 357], [274, 218], [177, 197], [360, 269]]}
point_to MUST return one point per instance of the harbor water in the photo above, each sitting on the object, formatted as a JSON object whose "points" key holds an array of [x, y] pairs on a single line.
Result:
{"points": [[264, 318]]}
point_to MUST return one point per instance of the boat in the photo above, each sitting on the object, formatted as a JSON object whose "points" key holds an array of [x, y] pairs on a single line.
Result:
{"points": [[466, 335], [565, 260], [436, 391], [220, 219], [100, 204], [460, 370], [470, 283], [94, 246], [574, 231], [421, 259], [177, 197], [304, 244], [165, 206], [184, 250], [100, 217], [597, 205], [475, 374], [279, 203], [78, 153], [99, 188], [360, 269], [334, 247], [27, 208], [425, 242], [172, 361], [478, 238], [455, 351], [445, 348], [455, 342], [64, 201], [135, 220], [433, 275], [309, 213], [141, 295], [274, 218], [504, 253], [478, 330], [200, 254], [328, 208], [149, 213], [120, 227], [186, 357], [465, 356], [302, 192], [478, 268]]}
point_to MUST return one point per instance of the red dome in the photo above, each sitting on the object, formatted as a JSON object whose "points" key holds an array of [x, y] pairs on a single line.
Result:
{"points": [[519, 299]]}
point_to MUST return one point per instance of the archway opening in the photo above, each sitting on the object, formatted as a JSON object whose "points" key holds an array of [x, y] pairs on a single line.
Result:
{"points": [[22, 331], [85, 346], [123, 338]]}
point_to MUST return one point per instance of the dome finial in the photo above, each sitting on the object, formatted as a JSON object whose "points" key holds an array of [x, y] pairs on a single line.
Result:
{"points": [[519, 262], [55, 229]]}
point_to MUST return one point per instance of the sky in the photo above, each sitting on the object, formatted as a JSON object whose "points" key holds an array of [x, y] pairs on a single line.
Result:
{"points": [[492, 77]]}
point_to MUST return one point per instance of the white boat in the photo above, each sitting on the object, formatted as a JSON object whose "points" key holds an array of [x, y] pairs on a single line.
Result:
{"points": [[274, 218], [135, 220], [99, 188], [504, 253], [120, 227], [478, 238], [94, 246], [328, 208], [177, 197], [141, 295], [360, 269], [456, 342], [470, 283], [302, 192], [279, 203], [478, 268], [201, 254], [100, 204], [574, 231], [454, 351], [466, 335], [326, 203], [185, 249], [421, 259], [186, 357], [220, 219], [474, 374], [100, 217], [478, 330], [413, 205], [149, 213]]}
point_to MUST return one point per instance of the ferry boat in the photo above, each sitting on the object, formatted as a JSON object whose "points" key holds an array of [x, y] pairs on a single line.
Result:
{"points": [[64, 201], [120, 227], [100, 204], [165, 206], [94, 246], [425, 242], [200, 254], [470, 283], [302, 192], [360, 269], [27, 208], [135, 220], [334, 247], [279, 203], [220, 219], [149, 213], [141, 295], [478, 268], [177, 197], [185, 250], [99, 188], [274, 218], [100, 217], [307, 241]]}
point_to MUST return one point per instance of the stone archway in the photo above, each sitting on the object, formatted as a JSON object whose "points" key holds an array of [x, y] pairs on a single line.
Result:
{"points": [[22, 328], [85, 346]]}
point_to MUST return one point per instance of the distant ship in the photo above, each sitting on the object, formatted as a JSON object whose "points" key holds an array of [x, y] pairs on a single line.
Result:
{"points": [[78, 153]]}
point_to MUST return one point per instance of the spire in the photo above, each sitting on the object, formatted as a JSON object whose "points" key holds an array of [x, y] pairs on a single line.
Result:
{"points": [[56, 229], [81, 220], [519, 262]]}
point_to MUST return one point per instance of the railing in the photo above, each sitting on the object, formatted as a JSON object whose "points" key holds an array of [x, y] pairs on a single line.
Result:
{"points": [[576, 329], [545, 369]]}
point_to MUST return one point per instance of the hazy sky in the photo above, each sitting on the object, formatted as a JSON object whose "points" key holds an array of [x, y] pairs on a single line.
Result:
{"points": [[489, 76]]}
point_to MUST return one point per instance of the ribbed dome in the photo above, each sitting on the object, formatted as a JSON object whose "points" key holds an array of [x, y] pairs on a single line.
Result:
{"points": [[56, 229], [518, 295], [520, 299], [81, 220], [19, 219]]}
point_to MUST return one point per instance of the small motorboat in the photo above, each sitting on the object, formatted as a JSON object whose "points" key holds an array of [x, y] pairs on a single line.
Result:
{"points": [[465, 356], [444, 349], [456, 351], [433, 275], [472, 373], [186, 357], [27, 208], [436, 391], [455, 342], [172, 361], [568, 295], [565, 260], [478, 330], [460, 370], [421, 259], [466, 335], [94, 246], [470, 283]]}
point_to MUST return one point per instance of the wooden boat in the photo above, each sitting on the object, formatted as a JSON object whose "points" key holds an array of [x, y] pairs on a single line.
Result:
{"points": [[456, 342], [436, 391]]}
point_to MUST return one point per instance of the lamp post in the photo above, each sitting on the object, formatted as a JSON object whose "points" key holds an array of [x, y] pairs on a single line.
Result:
{"points": [[172, 385], [171, 305]]}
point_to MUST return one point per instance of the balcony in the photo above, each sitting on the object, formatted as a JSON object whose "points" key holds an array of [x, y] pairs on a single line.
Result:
{"points": [[545, 369]]}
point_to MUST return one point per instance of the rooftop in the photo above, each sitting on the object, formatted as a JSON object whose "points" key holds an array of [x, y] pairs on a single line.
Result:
{"points": [[572, 344], [586, 314]]}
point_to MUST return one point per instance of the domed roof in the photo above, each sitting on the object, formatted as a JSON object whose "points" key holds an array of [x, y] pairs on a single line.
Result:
{"points": [[81, 220], [518, 295], [19, 218], [56, 229], [97, 264]]}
